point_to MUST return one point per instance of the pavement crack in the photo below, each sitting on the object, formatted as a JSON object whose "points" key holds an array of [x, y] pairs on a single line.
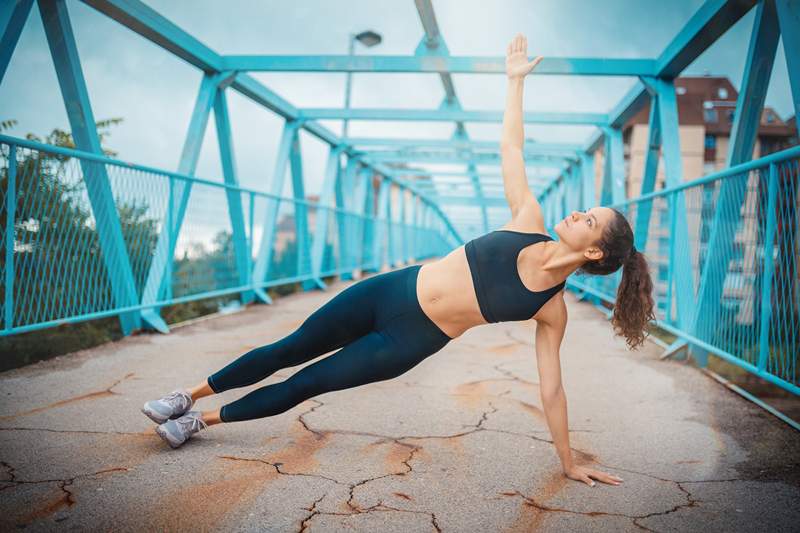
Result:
{"points": [[96, 394], [277, 467], [86, 431]]}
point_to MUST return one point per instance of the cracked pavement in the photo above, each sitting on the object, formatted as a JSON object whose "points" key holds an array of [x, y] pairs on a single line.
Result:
{"points": [[459, 443]]}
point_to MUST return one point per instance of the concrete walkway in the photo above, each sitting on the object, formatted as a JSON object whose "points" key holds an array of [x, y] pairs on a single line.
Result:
{"points": [[459, 443]]}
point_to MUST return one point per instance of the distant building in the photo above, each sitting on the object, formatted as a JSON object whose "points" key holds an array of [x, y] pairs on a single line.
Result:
{"points": [[706, 110]]}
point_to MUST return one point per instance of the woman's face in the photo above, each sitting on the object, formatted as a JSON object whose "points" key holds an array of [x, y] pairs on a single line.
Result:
{"points": [[580, 230]]}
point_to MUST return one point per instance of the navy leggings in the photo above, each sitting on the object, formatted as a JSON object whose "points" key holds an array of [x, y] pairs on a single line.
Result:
{"points": [[377, 322]]}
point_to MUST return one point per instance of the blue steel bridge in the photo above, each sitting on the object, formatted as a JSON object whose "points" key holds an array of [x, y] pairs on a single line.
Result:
{"points": [[86, 236]]}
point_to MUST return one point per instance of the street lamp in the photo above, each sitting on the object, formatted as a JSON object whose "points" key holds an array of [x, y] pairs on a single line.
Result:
{"points": [[369, 39]]}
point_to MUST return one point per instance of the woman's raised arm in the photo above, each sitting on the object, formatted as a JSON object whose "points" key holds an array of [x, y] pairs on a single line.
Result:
{"points": [[514, 179]]}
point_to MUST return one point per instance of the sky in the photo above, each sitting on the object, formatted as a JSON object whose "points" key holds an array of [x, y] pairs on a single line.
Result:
{"points": [[154, 92]]}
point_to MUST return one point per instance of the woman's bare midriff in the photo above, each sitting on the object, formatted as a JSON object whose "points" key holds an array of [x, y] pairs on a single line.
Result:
{"points": [[447, 295]]}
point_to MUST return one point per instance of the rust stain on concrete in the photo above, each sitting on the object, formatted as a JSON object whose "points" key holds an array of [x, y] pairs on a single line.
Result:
{"points": [[88, 396], [299, 456]]}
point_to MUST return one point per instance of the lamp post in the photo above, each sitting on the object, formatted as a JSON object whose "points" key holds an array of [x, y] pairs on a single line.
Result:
{"points": [[369, 39]]}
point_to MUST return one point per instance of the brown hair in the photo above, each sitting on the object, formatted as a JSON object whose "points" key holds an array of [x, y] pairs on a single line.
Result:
{"points": [[634, 306]]}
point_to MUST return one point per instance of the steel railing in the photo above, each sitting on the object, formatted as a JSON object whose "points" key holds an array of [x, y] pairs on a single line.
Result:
{"points": [[59, 265]]}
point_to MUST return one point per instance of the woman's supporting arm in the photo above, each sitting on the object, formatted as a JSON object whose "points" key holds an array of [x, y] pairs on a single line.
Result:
{"points": [[514, 179], [554, 400]]}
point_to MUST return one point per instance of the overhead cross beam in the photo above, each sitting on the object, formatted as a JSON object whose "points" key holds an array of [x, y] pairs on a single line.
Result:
{"points": [[435, 64]]}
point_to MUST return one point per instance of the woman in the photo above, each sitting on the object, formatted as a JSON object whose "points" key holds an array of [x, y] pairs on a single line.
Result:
{"points": [[386, 324]]}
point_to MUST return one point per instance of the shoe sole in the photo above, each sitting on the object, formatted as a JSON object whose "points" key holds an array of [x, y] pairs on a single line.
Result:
{"points": [[158, 419], [165, 436]]}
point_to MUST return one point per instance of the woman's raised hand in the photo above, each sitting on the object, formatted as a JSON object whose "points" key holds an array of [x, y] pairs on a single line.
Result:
{"points": [[517, 64]]}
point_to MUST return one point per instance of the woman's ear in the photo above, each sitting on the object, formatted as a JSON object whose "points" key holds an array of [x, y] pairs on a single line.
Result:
{"points": [[593, 254]]}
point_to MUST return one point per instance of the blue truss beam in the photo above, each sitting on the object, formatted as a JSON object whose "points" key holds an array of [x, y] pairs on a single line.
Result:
{"points": [[474, 158], [435, 64], [61, 41], [447, 115], [159, 275], [466, 144], [707, 24], [235, 211], [148, 23], [12, 19], [789, 20]]}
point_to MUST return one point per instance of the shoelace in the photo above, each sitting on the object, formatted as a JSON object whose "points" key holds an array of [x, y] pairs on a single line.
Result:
{"points": [[173, 398], [193, 422]]}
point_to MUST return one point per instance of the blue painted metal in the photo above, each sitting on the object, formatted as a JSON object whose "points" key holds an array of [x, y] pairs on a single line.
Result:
{"points": [[344, 223], [302, 232], [79, 112], [707, 24], [165, 246], [323, 214], [235, 211], [644, 212], [12, 19], [769, 268], [435, 64], [588, 176], [673, 169], [446, 115], [462, 143], [789, 20], [749, 106], [381, 224], [11, 207], [613, 190], [264, 257]]}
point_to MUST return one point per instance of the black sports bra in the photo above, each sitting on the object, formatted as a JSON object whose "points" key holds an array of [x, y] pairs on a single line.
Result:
{"points": [[492, 260]]}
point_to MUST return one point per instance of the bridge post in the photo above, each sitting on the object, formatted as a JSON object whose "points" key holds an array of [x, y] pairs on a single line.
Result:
{"points": [[64, 52], [302, 241], [614, 169], [159, 274], [379, 225], [346, 222], [234, 196], [588, 187], [645, 209], [264, 258], [363, 183], [323, 214]]}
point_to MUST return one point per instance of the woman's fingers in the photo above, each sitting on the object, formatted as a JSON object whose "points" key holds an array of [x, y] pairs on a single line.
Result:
{"points": [[536, 61], [606, 478]]}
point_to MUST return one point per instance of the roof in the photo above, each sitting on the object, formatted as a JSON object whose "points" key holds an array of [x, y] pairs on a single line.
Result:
{"points": [[711, 101]]}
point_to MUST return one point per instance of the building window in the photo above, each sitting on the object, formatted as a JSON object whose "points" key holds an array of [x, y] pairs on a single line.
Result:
{"points": [[680, 90], [770, 118], [722, 92], [710, 148], [710, 115], [731, 115]]}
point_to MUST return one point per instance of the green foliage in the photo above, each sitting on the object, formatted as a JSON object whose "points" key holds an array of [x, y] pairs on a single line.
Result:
{"points": [[58, 265]]}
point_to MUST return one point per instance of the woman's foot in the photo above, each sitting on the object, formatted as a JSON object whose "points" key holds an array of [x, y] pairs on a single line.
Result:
{"points": [[178, 431], [173, 405]]}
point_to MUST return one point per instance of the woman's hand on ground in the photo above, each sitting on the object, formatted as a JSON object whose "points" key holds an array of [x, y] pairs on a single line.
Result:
{"points": [[517, 64], [586, 474]]}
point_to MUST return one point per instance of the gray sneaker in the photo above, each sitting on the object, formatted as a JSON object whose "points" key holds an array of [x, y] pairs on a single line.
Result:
{"points": [[178, 431], [172, 405]]}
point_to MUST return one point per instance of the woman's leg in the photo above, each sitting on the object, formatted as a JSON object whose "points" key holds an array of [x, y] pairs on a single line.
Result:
{"points": [[377, 356], [343, 319]]}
